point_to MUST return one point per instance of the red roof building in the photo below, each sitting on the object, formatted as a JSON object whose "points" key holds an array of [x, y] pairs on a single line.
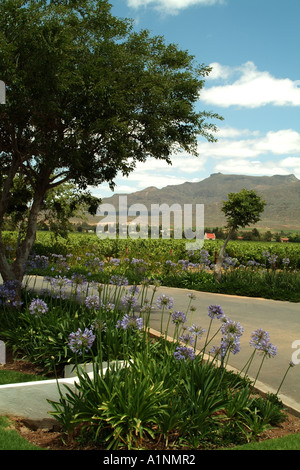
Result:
{"points": [[209, 236]]}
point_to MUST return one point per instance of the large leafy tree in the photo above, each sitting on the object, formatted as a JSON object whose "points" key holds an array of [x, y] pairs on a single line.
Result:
{"points": [[87, 97]]}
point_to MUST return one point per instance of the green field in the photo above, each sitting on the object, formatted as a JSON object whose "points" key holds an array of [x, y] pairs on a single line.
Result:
{"points": [[80, 243], [251, 268]]}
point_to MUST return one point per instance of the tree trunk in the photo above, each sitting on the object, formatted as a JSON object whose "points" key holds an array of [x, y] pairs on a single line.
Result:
{"points": [[16, 271], [25, 247], [219, 263], [5, 269]]}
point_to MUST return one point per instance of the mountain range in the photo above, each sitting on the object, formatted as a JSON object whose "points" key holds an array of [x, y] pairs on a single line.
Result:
{"points": [[281, 193]]}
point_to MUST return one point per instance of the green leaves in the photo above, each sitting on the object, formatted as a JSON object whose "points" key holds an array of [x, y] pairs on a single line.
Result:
{"points": [[87, 93], [243, 208]]}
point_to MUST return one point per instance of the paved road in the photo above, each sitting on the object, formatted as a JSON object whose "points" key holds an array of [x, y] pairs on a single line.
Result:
{"points": [[280, 319]]}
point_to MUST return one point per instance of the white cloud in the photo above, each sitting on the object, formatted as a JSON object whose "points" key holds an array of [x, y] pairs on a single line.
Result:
{"points": [[291, 162], [233, 133], [253, 88], [219, 71], [246, 167], [171, 6], [238, 151], [282, 142], [260, 168]]}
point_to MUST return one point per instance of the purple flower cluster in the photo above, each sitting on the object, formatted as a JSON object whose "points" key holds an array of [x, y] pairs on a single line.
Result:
{"points": [[134, 290], [215, 311], [38, 307], [78, 279], [59, 282], [118, 280], [61, 262], [183, 353], [81, 341], [260, 340], [193, 333], [94, 263], [129, 301], [130, 322], [204, 259], [115, 261], [164, 301], [231, 331], [92, 302], [178, 317], [37, 262], [197, 331], [8, 292], [108, 307], [187, 338]]}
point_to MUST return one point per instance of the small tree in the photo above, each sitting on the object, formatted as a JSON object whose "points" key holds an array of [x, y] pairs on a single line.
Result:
{"points": [[242, 209]]}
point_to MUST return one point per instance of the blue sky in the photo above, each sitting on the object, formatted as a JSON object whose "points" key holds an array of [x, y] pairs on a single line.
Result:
{"points": [[253, 47]]}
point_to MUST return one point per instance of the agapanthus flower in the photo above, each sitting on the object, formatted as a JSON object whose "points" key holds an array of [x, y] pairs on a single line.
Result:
{"points": [[197, 330], [232, 328], [38, 307], [215, 311], [260, 340], [216, 351], [146, 309], [164, 301], [130, 322], [230, 344], [187, 338], [107, 307], [134, 290], [37, 262], [8, 291], [81, 341], [118, 280], [94, 263], [178, 317], [78, 278], [192, 296], [59, 282], [269, 349], [184, 353], [129, 301], [231, 331], [92, 302]]}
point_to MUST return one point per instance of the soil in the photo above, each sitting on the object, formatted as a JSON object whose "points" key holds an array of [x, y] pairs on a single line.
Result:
{"points": [[47, 433]]}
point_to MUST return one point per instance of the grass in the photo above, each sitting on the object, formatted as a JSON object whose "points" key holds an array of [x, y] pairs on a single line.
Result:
{"points": [[10, 439], [11, 377], [290, 442]]}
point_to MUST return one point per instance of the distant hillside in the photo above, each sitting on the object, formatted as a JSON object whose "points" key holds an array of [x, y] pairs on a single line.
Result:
{"points": [[281, 193]]}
